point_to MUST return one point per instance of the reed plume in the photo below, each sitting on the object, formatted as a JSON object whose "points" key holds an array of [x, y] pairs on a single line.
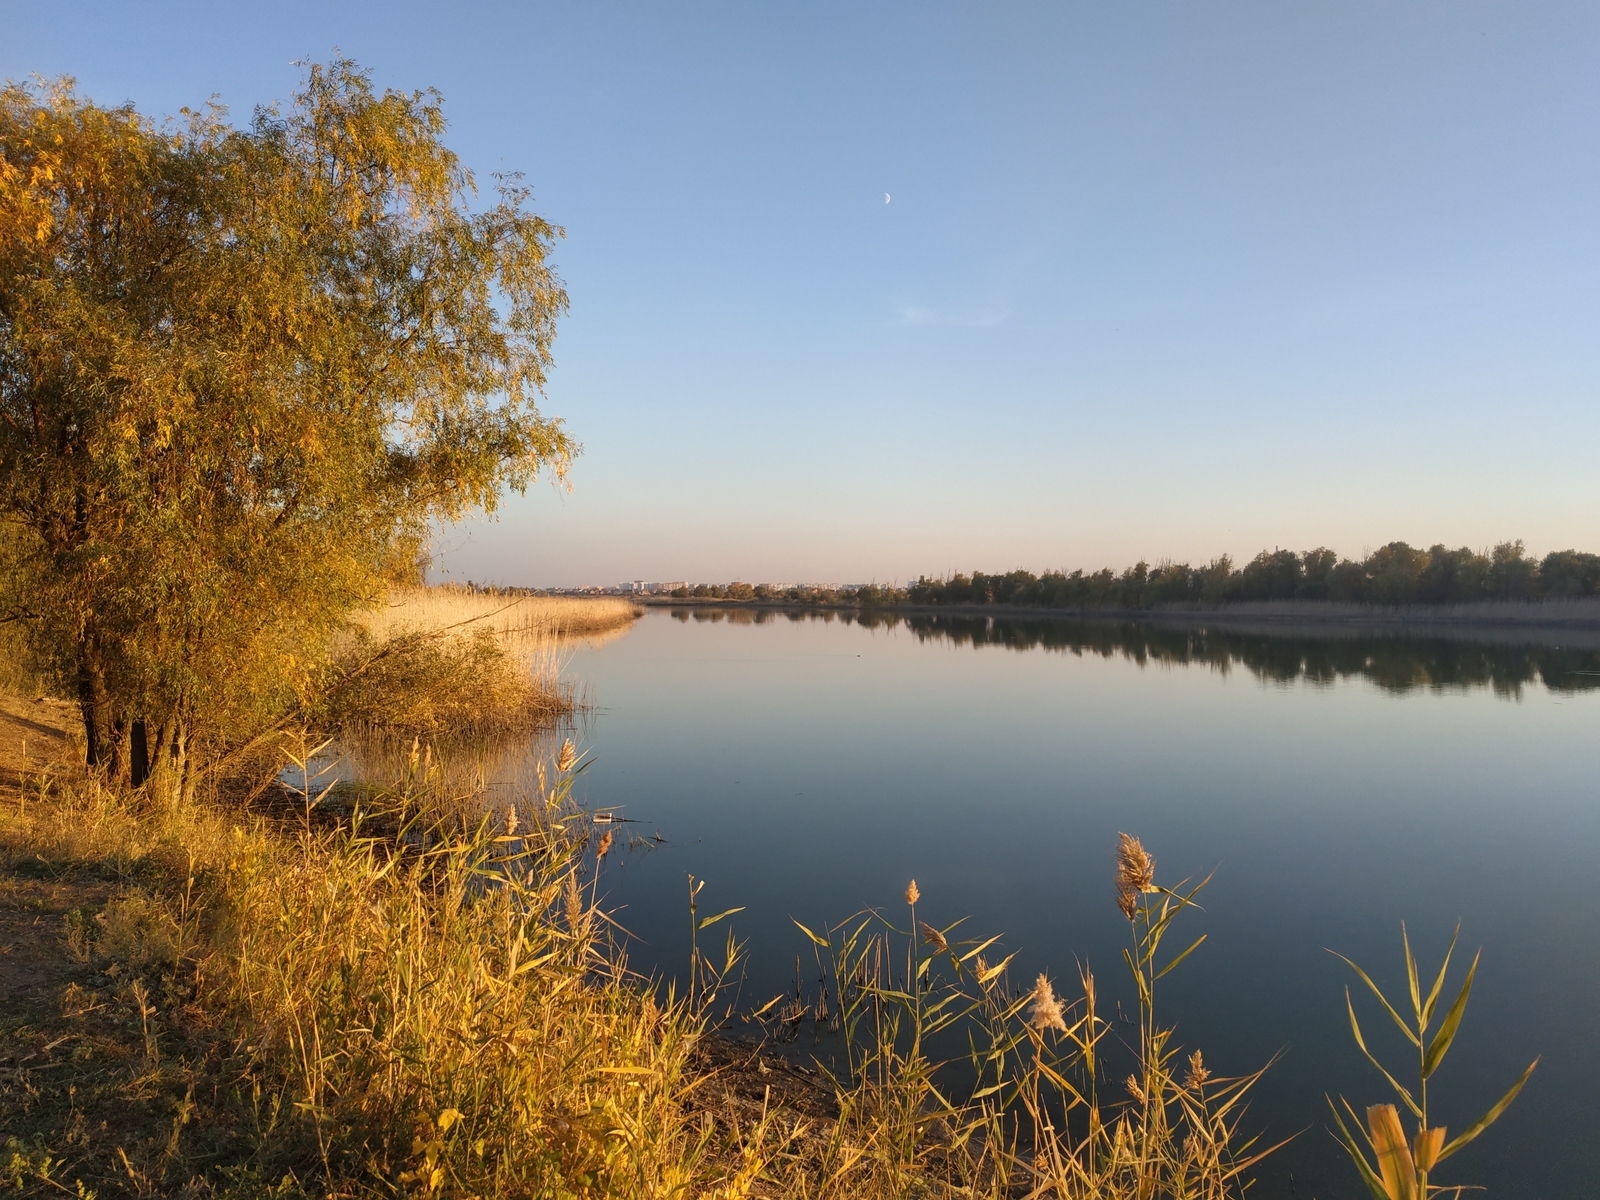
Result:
{"points": [[574, 901], [1045, 1011], [912, 894], [1136, 873], [932, 937]]}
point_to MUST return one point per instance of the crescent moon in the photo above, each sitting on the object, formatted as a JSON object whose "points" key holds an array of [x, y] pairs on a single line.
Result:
{"points": [[886, 197]]}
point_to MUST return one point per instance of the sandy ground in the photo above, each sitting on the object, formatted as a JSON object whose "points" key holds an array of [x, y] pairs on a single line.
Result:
{"points": [[36, 736]]}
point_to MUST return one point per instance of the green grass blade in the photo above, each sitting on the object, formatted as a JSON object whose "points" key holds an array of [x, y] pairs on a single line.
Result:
{"points": [[1488, 1118], [1411, 978], [1438, 984], [1411, 1035], [1353, 1149], [1182, 956], [811, 935], [1452, 1021], [979, 949], [706, 922], [1355, 1028]]}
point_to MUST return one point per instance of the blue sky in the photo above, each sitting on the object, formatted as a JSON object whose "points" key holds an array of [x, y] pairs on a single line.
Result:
{"points": [[1156, 280]]}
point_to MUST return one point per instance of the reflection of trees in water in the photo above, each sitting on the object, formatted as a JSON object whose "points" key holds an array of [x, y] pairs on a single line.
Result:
{"points": [[1396, 663]]}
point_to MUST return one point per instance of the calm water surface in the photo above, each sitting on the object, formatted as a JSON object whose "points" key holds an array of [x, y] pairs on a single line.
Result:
{"points": [[808, 768]]}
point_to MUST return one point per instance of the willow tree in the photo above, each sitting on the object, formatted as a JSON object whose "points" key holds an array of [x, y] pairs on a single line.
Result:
{"points": [[239, 370]]}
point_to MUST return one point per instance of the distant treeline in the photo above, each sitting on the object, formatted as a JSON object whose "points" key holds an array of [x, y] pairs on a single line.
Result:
{"points": [[1393, 574]]}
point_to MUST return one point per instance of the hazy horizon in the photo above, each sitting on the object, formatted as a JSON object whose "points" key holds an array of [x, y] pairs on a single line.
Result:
{"points": [[437, 575], [1151, 282]]}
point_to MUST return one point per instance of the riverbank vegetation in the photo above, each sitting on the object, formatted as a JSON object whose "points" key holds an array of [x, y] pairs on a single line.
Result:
{"points": [[1394, 574], [382, 1001], [448, 661]]}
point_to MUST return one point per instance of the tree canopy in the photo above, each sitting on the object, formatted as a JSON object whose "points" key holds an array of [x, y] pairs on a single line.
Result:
{"points": [[240, 372]]}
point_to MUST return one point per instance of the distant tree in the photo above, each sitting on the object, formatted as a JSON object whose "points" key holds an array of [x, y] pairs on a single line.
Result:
{"points": [[1567, 573], [1274, 576], [1171, 583], [1348, 583], [1512, 574], [1217, 580], [240, 371], [1316, 570], [1394, 573], [1453, 576]]}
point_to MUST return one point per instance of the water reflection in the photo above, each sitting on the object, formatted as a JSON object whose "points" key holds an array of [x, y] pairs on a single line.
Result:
{"points": [[1503, 659]]}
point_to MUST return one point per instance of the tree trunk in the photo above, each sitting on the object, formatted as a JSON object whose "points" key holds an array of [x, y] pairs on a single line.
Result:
{"points": [[105, 731], [138, 754], [172, 775]]}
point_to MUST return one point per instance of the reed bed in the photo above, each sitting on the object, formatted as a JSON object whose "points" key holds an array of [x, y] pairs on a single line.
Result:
{"points": [[450, 662], [391, 1003], [436, 1009], [447, 607]]}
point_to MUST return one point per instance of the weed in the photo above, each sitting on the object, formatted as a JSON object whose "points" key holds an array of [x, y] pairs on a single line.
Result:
{"points": [[1400, 1169]]}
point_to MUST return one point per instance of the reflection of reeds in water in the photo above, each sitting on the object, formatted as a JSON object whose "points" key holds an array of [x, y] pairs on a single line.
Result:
{"points": [[480, 773]]}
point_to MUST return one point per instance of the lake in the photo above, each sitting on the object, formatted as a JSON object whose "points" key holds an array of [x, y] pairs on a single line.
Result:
{"points": [[809, 765]]}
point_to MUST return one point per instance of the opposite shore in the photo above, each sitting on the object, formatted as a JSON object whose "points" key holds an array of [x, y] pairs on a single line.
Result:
{"points": [[1579, 614]]}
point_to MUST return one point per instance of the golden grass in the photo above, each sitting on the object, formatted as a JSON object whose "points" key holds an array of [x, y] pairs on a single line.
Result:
{"points": [[433, 1011], [437, 1011], [447, 661], [436, 609], [392, 1007]]}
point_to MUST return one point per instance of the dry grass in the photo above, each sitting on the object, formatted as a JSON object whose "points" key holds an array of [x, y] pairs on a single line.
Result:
{"points": [[393, 1004], [446, 661], [377, 1006], [373, 1008], [431, 610]]}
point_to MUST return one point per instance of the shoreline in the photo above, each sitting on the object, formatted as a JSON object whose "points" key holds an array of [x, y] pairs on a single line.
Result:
{"points": [[1551, 615]]}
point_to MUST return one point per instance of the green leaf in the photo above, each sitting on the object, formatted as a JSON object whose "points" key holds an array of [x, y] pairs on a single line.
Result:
{"points": [[1355, 1028], [1411, 1035], [811, 935], [1452, 1022], [1353, 1149], [1182, 956], [705, 921], [977, 950], [1438, 984], [1411, 978], [1488, 1118]]}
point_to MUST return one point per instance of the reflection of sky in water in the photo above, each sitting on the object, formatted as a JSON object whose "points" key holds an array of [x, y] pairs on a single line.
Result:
{"points": [[807, 769]]}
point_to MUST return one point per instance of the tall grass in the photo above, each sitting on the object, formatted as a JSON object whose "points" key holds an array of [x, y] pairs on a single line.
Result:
{"points": [[447, 661], [429, 1006], [416, 1009], [430, 610], [1035, 1115]]}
